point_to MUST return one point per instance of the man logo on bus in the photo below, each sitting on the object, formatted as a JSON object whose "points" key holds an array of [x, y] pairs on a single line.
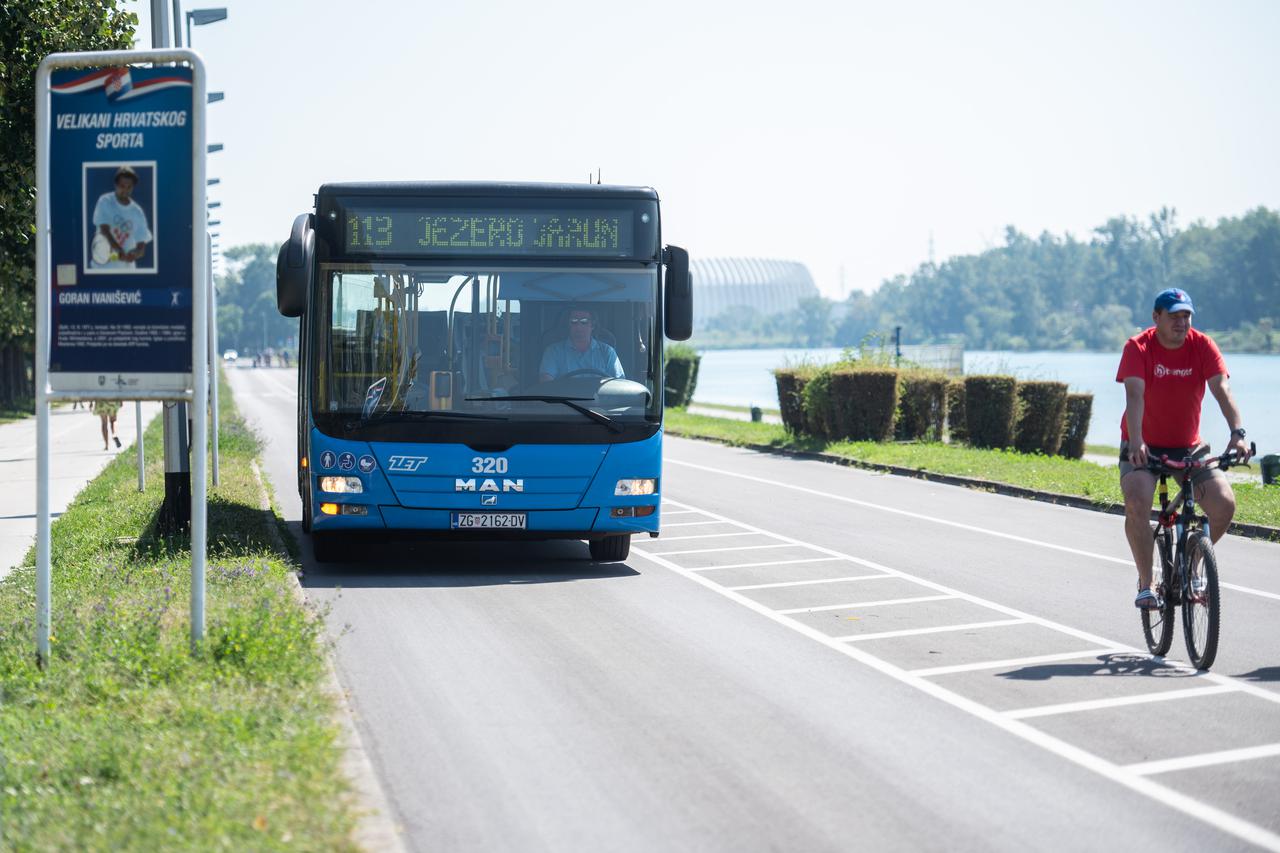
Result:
{"points": [[461, 485]]}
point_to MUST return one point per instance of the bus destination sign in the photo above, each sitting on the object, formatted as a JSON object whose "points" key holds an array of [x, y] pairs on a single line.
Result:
{"points": [[400, 231]]}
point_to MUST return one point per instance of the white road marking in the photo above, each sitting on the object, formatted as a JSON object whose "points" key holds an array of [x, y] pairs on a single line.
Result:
{"points": [[666, 511], [720, 550], [1125, 561], [781, 584], [1119, 701], [686, 523], [1207, 759], [1249, 590], [708, 536], [857, 604], [771, 563], [896, 511], [936, 629], [1024, 661], [1161, 794]]}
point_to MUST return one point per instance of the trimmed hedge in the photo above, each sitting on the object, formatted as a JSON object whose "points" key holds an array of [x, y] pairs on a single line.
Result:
{"points": [[922, 406], [791, 382], [681, 374], [820, 418], [865, 403], [956, 427], [1076, 426], [1042, 408], [991, 406]]}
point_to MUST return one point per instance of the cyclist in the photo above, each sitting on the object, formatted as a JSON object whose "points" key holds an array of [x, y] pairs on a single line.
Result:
{"points": [[1164, 371]]}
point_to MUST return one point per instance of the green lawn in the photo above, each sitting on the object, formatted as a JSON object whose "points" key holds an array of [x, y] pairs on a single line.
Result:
{"points": [[1255, 503], [127, 741]]}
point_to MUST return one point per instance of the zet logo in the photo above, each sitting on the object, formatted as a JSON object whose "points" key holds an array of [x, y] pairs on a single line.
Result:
{"points": [[405, 464]]}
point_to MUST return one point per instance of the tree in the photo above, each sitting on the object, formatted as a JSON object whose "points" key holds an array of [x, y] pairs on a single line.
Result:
{"points": [[29, 30], [247, 301]]}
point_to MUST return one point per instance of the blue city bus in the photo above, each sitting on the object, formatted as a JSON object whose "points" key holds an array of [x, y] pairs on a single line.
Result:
{"points": [[481, 360]]}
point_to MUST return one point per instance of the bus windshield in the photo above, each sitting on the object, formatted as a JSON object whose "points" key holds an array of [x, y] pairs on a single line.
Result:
{"points": [[400, 342]]}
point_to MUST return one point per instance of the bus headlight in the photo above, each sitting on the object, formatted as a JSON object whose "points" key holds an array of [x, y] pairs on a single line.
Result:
{"points": [[341, 485], [636, 487]]}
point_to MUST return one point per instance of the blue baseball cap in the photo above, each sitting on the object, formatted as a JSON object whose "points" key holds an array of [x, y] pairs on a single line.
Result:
{"points": [[1173, 299]]}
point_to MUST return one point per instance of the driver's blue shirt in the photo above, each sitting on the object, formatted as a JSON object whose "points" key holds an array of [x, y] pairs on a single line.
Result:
{"points": [[562, 357]]}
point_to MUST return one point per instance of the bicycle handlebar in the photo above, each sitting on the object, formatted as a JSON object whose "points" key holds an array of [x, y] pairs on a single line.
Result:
{"points": [[1223, 462]]}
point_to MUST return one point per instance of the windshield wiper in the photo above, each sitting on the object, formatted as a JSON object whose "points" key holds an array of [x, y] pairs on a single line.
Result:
{"points": [[571, 402], [445, 414]]}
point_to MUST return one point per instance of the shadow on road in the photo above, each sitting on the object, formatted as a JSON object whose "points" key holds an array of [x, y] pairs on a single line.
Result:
{"points": [[1265, 673], [462, 564], [1106, 666]]}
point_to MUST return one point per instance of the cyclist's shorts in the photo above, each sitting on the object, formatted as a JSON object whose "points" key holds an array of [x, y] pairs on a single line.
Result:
{"points": [[1199, 478]]}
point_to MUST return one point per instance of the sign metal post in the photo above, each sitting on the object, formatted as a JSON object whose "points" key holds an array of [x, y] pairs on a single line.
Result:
{"points": [[122, 304]]}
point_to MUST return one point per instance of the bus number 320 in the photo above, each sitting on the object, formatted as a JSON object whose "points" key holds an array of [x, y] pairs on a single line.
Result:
{"points": [[489, 465]]}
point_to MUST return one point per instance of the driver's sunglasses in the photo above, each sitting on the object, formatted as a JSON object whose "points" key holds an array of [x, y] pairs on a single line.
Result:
{"points": [[580, 321]]}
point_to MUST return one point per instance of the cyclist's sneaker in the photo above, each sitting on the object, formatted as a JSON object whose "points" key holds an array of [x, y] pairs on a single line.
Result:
{"points": [[1199, 585], [1147, 600]]}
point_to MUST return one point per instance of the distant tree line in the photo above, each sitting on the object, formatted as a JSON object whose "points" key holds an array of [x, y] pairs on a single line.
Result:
{"points": [[1054, 293], [248, 320]]}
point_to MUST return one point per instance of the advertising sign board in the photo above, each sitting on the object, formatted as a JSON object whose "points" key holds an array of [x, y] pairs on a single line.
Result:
{"points": [[120, 237]]}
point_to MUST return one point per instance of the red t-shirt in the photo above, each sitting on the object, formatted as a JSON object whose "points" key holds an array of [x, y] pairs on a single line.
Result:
{"points": [[1175, 380]]}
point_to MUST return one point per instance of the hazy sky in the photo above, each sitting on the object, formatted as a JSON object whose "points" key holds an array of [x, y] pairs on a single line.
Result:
{"points": [[840, 134]]}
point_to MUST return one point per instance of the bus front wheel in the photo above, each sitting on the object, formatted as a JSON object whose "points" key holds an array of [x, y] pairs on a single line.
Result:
{"points": [[610, 549]]}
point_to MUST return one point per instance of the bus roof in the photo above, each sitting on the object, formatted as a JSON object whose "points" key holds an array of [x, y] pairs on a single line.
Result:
{"points": [[485, 189]]}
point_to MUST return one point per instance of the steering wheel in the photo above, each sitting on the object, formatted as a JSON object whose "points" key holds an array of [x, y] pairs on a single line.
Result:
{"points": [[584, 371]]}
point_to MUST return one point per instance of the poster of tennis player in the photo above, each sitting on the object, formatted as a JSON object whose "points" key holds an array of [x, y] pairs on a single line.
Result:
{"points": [[120, 210]]}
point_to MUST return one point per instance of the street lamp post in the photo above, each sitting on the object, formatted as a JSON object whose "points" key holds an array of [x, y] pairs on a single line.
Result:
{"points": [[200, 17]]}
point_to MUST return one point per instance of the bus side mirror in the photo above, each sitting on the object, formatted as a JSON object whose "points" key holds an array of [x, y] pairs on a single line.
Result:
{"points": [[294, 265], [678, 295]]}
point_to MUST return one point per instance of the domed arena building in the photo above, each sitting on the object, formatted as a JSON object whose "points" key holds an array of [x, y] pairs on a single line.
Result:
{"points": [[767, 285]]}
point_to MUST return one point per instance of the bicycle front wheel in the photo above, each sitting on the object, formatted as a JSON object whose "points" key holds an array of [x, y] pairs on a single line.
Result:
{"points": [[1157, 624], [1201, 606]]}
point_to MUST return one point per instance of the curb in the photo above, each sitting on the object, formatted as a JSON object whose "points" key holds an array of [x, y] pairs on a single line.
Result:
{"points": [[375, 829], [1250, 531]]}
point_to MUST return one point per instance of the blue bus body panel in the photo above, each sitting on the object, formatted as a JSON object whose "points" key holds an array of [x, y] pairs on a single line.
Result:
{"points": [[566, 489]]}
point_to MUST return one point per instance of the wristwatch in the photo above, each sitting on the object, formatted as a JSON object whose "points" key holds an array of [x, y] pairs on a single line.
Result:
{"points": [[1238, 431]]}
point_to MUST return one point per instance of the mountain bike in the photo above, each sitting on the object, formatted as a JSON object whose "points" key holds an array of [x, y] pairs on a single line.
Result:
{"points": [[1186, 570]]}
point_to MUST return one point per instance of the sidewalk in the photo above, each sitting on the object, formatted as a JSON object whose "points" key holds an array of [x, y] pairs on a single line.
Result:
{"points": [[75, 457]]}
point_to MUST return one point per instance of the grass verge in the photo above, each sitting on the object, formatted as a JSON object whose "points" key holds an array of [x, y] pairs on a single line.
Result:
{"points": [[1255, 503], [128, 741]]}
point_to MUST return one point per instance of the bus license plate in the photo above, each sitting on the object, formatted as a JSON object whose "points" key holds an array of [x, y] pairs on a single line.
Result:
{"points": [[487, 520]]}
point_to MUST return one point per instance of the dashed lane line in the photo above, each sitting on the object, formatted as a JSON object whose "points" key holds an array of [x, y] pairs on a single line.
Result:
{"points": [[1031, 660], [1134, 781], [782, 584], [1206, 759], [722, 550], [935, 629], [1119, 701], [858, 604], [770, 563], [705, 536]]}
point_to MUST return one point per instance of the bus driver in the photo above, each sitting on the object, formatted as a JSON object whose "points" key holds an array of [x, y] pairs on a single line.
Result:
{"points": [[580, 351]]}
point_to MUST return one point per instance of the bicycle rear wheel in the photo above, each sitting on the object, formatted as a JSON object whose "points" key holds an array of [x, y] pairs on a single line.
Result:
{"points": [[1157, 624], [1201, 607]]}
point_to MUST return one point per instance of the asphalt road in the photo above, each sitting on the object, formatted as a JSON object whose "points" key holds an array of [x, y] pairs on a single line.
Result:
{"points": [[808, 658]]}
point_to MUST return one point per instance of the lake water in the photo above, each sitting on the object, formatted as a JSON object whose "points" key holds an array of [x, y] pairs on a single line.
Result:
{"points": [[744, 377]]}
